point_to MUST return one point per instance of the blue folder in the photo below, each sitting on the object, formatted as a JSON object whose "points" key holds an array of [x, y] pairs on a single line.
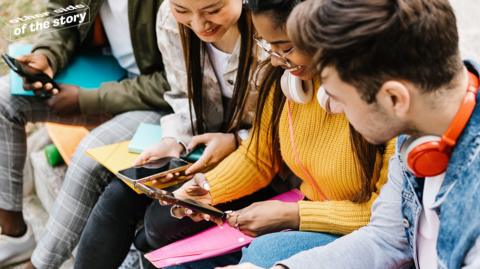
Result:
{"points": [[146, 135], [87, 70]]}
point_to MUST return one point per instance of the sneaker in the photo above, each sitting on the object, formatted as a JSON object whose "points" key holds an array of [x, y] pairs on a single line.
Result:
{"points": [[16, 249]]}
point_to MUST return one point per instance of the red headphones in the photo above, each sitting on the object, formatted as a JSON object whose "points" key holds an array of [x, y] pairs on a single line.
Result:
{"points": [[428, 156]]}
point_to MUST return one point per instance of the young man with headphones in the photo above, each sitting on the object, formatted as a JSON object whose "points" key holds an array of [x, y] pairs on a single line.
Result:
{"points": [[394, 68], [407, 80]]}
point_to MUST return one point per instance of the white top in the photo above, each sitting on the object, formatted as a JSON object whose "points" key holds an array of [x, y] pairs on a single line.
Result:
{"points": [[429, 224], [114, 14], [219, 61], [177, 124]]}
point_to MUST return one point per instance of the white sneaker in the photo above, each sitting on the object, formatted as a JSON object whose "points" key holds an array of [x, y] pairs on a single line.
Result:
{"points": [[16, 249]]}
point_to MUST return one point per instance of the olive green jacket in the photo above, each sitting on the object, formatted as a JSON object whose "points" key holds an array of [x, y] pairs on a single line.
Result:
{"points": [[141, 93]]}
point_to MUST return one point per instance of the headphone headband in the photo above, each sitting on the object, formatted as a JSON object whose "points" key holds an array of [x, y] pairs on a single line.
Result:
{"points": [[460, 120]]}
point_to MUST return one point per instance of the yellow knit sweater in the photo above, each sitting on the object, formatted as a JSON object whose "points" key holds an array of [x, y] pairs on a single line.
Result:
{"points": [[325, 150]]}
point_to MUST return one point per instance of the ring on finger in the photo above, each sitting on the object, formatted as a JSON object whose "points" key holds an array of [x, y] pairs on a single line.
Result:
{"points": [[172, 212]]}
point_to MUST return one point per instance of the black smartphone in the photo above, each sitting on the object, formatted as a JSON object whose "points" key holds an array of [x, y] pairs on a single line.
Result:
{"points": [[154, 169], [29, 73], [187, 203]]}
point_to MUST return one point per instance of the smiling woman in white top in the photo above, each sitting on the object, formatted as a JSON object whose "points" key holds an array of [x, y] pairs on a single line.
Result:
{"points": [[210, 89]]}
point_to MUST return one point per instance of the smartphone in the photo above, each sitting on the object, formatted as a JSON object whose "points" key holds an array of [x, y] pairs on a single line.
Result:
{"points": [[195, 154], [29, 73], [187, 203], [154, 170]]}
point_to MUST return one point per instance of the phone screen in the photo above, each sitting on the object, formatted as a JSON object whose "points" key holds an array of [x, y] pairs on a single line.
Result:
{"points": [[153, 168]]}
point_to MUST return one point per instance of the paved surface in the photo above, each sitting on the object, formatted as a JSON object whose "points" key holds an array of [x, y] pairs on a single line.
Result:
{"points": [[467, 12]]}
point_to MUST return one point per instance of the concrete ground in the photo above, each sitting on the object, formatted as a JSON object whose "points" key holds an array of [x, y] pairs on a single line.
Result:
{"points": [[467, 12]]}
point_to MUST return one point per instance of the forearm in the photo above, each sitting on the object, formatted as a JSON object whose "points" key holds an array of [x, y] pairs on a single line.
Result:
{"points": [[380, 244], [144, 92], [337, 217]]}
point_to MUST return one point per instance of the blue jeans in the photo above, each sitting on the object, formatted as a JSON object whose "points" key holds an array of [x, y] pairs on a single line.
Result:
{"points": [[268, 249]]}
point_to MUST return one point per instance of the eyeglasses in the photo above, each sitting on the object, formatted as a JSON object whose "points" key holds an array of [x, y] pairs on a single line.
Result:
{"points": [[267, 47]]}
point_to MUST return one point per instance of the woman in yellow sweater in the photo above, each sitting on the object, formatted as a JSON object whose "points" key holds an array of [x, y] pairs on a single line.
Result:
{"points": [[341, 173]]}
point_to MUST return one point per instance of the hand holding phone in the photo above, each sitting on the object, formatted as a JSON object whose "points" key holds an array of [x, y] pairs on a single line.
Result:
{"points": [[38, 79], [171, 199], [154, 170], [217, 147], [194, 154]]}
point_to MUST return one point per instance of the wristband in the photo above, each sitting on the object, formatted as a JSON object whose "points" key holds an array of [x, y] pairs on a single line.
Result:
{"points": [[178, 141], [185, 149]]}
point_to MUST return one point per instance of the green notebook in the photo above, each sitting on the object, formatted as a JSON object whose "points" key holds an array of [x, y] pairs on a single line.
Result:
{"points": [[87, 70]]}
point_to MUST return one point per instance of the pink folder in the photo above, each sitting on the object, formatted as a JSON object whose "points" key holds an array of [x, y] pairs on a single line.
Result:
{"points": [[212, 242]]}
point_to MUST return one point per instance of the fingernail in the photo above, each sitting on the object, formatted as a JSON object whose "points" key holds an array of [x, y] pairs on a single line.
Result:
{"points": [[206, 186], [189, 212]]}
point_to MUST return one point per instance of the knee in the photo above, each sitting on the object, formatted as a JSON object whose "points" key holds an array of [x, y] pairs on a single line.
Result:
{"points": [[117, 198], [263, 244], [260, 248], [157, 224], [162, 229], [91, 140], [12, 109], [264, 250], [80, 157]]}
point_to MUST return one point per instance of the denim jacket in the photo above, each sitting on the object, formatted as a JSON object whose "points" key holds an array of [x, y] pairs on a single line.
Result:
{"points": [[457, 201], [389, 241]]}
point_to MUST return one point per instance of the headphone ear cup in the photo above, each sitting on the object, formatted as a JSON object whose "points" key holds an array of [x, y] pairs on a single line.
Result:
{"points": [[403, 151], [285, 84], [423, 156], [294, 90]]}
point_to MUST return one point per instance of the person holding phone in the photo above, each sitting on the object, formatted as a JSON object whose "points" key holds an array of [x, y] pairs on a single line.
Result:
{"points": [[211, 93], [128, 27], [341, 172], [416, 87]]}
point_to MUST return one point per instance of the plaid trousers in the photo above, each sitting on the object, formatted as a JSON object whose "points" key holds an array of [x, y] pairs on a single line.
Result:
{"points": [[84, 181]]}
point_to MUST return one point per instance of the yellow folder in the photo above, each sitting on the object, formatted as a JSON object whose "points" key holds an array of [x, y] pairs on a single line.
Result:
{"points": [[116, 157]]}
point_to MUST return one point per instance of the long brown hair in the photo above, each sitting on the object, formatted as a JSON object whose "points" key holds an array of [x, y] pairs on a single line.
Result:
{"points": [[193, 48], [367, 156]]}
